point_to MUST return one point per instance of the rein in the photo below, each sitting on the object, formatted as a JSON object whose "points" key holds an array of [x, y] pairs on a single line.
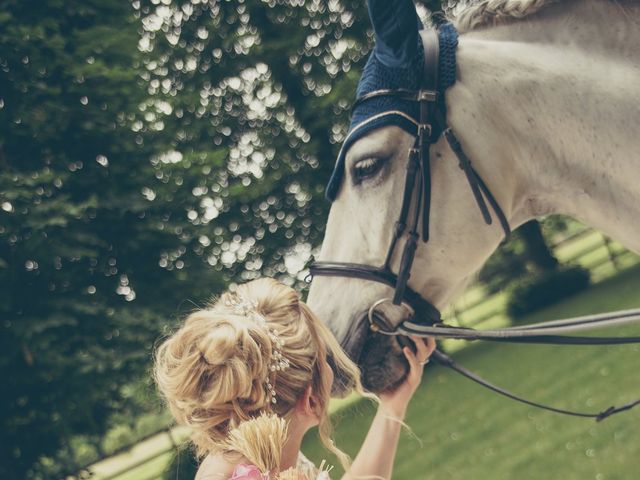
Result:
{"points": [[425, 320], [550, 332]]}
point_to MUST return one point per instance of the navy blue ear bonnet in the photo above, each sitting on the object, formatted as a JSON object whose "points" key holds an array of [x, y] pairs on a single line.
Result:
{"points": [[382, 111]]}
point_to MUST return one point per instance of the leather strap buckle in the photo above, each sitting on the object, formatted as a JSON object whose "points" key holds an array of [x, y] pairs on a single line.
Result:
{"points": [[424, 127], [427, 96]]}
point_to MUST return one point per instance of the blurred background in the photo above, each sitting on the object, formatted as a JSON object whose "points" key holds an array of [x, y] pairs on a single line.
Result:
{"points": [[154, 152]]}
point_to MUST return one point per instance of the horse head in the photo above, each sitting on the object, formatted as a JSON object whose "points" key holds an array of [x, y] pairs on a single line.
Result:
{"points": [[546, 130], [382, 157]]}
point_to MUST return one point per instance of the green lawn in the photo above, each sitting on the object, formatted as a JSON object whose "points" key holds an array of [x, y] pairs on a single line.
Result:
{"points": [[467, 432]]}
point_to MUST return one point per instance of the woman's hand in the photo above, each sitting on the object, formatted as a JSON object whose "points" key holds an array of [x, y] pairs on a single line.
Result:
{"points": [[395, 402], [375, 459]]}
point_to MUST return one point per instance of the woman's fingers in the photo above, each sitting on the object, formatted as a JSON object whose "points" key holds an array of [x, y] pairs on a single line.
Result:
{"points": [[411, 357], [431, 345], [423, 349], [415, 368]]}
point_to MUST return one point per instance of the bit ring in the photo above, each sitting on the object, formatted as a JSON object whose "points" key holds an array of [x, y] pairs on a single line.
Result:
{"points": [[378, 324]]}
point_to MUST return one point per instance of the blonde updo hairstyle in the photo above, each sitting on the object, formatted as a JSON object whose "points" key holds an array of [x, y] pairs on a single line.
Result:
{"points": [[213, 372]]}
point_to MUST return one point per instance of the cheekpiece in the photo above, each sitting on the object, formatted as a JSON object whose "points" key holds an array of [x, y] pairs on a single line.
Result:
{"points": [[246, 308], [382, 111]]}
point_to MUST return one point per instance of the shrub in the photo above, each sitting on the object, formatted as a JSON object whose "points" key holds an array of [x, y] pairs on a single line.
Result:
{"points": [[538, 291]]}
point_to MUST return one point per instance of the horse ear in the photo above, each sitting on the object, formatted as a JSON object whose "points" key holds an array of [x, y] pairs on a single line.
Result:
{"points": [[395, 24]]}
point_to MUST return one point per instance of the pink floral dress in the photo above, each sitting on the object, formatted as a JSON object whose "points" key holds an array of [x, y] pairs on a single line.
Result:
{"points": [[305, 469]]}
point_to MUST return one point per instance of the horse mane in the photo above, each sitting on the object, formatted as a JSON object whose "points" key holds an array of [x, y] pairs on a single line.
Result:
{"points": [[470, 15]]}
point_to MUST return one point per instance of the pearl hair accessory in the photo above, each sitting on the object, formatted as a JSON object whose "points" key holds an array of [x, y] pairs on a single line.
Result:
{"points": [[246, 308]]}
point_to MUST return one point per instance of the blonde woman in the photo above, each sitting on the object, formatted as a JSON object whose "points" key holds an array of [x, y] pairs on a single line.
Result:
{"points": [[251, 375]]}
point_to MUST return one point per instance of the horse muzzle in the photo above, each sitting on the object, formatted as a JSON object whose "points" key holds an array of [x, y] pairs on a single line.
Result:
{"points": [[379, 356]]}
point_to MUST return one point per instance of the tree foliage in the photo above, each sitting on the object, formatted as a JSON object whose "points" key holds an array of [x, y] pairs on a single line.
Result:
{"points": [[95, 249], [525, 252], [274, 81]]}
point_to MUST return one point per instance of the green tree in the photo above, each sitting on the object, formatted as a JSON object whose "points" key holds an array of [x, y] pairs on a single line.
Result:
{"points": [[525, 251], [274, 80], [537, 250], [96, 245]]}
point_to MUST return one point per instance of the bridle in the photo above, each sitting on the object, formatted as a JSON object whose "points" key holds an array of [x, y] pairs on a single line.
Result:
{"points": [[417, 193], [426, 318]]}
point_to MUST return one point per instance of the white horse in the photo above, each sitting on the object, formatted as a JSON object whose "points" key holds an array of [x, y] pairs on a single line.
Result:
{"points": [[547, 106]]}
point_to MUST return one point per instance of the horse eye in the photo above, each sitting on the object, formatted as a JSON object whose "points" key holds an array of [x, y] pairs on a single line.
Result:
{"points": [[366, 168]]}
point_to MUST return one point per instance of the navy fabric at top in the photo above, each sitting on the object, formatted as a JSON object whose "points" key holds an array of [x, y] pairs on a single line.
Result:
{"points": [[385, 111], [395, 24]]}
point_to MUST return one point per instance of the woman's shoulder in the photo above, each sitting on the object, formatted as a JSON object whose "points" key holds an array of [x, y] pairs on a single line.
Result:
{"points": [[218, 467], [310, 471]]}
